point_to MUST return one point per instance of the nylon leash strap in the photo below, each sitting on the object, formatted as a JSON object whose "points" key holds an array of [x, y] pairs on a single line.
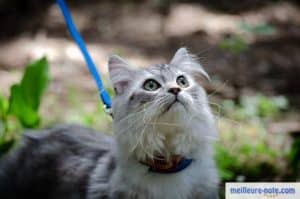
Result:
{"points": [[89, 61]]}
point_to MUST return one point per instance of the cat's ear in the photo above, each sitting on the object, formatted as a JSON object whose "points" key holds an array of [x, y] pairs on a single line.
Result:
{"points": [[188, 63], [120, 73]]}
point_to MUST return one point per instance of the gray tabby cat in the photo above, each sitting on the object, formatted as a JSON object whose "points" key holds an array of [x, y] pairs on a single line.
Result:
{"points": [[164, 134]]}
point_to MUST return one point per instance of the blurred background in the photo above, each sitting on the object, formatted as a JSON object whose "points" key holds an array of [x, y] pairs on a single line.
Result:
{"points": [[250, 48]]}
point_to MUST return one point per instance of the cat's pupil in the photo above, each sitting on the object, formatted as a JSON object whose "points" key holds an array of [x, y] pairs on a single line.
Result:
{"points": [[182, 81]]}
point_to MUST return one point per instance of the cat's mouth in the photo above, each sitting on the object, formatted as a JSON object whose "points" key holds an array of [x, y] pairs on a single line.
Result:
{"points": [[173, 103]]}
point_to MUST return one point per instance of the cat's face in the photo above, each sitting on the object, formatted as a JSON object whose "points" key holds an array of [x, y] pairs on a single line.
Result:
{"points": [[156, 105]]}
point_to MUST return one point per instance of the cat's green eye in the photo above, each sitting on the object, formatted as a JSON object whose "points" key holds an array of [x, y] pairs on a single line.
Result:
{"points": [[151, 85], [182, 81]]}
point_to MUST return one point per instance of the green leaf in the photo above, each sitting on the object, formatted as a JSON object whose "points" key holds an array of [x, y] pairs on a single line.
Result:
{"points": [[25, 97], [23, 111], [34, 82], [3, 107]]}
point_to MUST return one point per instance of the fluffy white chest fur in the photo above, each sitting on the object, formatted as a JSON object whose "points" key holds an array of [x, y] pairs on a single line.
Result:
{"points": [[199, 180]]}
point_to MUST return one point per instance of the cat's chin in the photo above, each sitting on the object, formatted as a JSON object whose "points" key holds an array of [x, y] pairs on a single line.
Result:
{"points": [[178, 107]]}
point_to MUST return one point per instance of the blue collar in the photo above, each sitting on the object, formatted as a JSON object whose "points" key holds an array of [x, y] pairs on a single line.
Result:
{"points": [[177, 164]]}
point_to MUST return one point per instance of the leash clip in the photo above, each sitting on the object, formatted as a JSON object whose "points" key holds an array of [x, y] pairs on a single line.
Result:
{"points": [[108, 110]]}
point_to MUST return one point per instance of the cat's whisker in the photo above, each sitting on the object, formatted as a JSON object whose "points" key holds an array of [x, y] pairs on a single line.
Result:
{"points": [[164, 123], [140, 138]]}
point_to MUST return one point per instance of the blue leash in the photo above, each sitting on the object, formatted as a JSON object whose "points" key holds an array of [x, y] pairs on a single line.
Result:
{"points": [[91, 65]]}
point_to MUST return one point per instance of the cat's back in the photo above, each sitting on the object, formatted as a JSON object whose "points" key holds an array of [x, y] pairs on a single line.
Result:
{"points": [[55, 163]]}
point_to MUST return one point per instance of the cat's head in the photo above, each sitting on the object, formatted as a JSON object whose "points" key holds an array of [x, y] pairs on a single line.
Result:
{"points": [[162, 109]]}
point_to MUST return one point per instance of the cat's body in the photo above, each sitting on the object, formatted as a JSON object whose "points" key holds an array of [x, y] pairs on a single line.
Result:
{"points": [[54, 164], [161, 111]]}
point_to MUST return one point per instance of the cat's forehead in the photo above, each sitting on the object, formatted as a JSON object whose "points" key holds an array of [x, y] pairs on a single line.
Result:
{"points": [[162, 71]]}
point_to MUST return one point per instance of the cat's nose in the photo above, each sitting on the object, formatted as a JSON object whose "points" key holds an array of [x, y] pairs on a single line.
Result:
{"points": [[174, 90]]}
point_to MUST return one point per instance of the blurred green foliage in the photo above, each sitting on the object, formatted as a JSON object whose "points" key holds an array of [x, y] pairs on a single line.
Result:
{"points": [[259, 29], [237, 43], [255, 107], [21, 109], [245, 151], [249, 161], [294, 157]]}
